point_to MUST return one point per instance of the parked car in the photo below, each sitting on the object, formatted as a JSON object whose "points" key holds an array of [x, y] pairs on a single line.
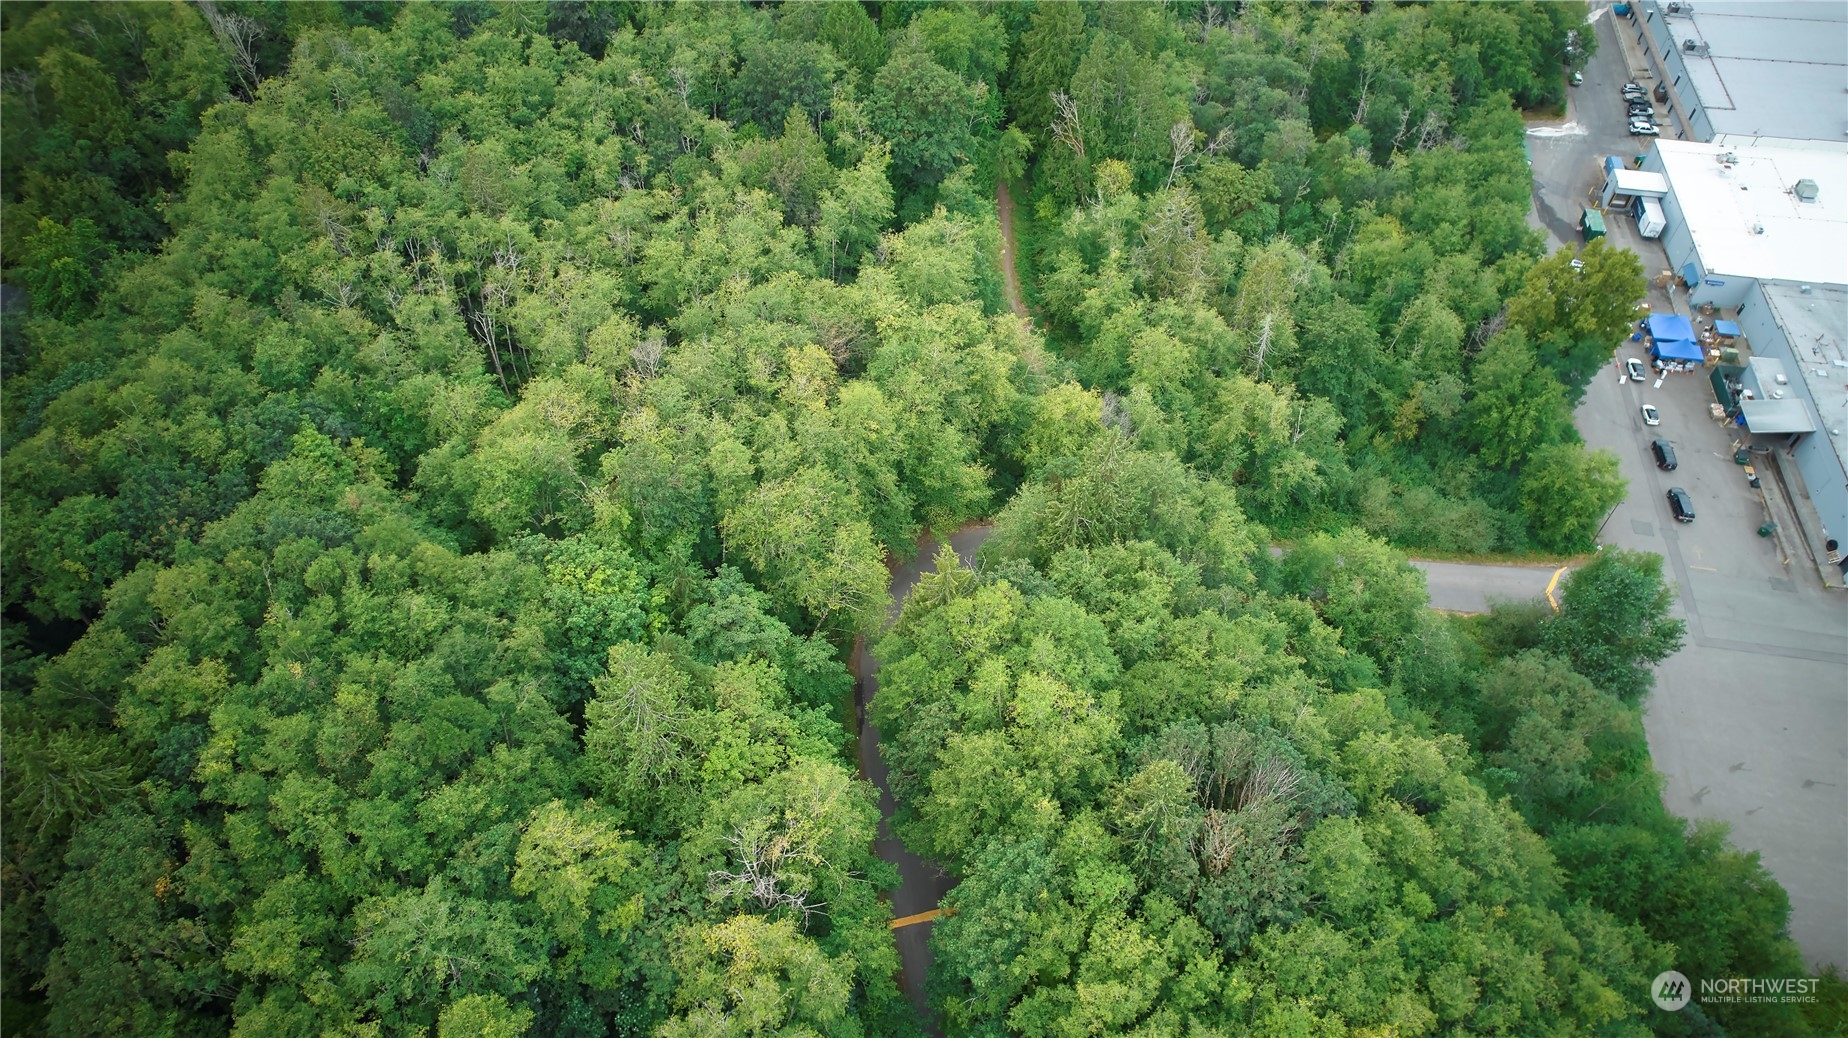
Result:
{"points": [[1634, 368], [1627, 87], [1651, 416], [1577, 78], [1641, 108], [1664, 455], [1680, 504], [1643, 129]]}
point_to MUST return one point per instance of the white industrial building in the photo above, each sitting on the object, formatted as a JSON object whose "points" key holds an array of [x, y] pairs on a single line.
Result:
{"points": [[1743, 212], [1749, 68], [1760, 226]]}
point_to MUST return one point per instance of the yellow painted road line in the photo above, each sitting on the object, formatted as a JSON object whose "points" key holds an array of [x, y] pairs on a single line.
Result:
{"points": [[921, 917], [1551, 584]]}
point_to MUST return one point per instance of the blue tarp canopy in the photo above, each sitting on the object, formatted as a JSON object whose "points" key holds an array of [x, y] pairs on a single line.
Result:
{"points": [[1670, 326], [1676, 349], [1726, 328]]}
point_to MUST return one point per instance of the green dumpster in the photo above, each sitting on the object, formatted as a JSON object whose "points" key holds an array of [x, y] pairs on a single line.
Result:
{"points": [[1591, 224]]}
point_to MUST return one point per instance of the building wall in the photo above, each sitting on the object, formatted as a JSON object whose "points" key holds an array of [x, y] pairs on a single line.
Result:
{"points": [[1677, 241], [1666, 60], [1817, 457], [1733, 291]]}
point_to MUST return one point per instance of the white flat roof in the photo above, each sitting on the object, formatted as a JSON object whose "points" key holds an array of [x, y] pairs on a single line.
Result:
{"points": [[1639, 182], [1724, 203], [1770, 69]]}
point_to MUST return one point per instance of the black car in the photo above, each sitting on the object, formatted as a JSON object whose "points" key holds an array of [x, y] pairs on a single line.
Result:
{"points": [[1681, 504], [1664, 455]]}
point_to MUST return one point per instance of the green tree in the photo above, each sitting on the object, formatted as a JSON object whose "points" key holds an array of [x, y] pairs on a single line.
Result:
{"points": [[60, 265], [855, 211], [778, 74], [1049, 53], [1614, 623], [1566, 492], [932, 117], [1516, 407], [1576, 306], [752, 976]]}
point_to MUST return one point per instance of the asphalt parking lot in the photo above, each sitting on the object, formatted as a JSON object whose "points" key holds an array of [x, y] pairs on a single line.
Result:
{"points": [[1749, 722]]}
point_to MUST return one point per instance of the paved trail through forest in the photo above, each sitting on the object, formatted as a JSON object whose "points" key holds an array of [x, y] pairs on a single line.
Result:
{"points": [[922, 883]]}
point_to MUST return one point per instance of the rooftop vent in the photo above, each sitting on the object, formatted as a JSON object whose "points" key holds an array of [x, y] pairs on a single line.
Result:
{"points": [[1727, 158], [1806, 189], [1758, 228], [1783, 379]]}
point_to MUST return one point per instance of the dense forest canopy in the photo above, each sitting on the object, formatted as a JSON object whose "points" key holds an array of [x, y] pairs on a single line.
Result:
{"points": [[450, 449]]}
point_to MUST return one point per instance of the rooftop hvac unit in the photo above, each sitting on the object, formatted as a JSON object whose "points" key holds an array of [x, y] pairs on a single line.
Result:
{"points": [[1783, 379], [1806, 189], [1728, 158]]}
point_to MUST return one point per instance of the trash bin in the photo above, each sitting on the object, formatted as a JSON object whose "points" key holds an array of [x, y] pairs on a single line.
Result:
{"points": [[1767, 529], [1741, 457]]}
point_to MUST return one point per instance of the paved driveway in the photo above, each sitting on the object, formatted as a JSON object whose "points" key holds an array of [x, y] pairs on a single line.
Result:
{"points": [[1469, 587], [1749, 722]]}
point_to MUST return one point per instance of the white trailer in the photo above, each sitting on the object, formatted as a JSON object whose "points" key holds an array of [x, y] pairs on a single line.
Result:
{"points": [[1650, 220]]}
